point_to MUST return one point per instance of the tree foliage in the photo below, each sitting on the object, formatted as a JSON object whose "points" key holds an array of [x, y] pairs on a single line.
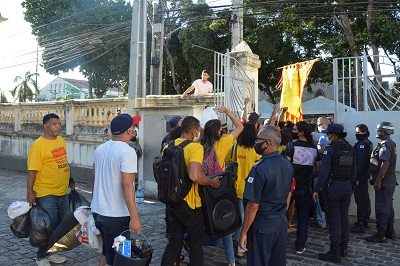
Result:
{"points": [[24, 91], [92, 34]]}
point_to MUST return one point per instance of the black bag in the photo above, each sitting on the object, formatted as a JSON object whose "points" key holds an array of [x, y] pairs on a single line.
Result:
{"points": [[173, 179], [232, 165], [156, 165], [76, 200], [41, 227], [20, 225], [64, 236]]}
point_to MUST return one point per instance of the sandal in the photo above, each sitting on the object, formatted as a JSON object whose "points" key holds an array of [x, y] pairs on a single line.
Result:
{"points": [[240, 255]]}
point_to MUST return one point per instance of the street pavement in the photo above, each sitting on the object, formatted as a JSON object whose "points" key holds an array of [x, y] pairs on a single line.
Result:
{"points": [[14, 251]]}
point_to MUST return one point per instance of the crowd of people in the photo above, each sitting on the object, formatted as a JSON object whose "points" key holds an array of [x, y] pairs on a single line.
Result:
{"points": [[282, 167]]}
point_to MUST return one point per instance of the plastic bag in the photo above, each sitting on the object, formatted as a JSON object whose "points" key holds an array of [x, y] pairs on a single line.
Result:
{"points": [[82, 235], [41, 227], [76, 200], [208, 114], [20, 225], [18, 208], [95, 240], [64, 236]]}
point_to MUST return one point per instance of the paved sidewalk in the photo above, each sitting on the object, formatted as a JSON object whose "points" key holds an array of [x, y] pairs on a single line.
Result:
{"points": [[14, 251]]}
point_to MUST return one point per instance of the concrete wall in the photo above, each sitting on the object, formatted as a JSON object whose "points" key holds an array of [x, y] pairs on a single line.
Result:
{"points": [[152, 129], [350, 120]]}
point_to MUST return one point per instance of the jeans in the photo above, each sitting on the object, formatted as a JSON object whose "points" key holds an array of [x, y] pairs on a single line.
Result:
{"points": [[318, 211], [110, 228], [237, 232], [57, 208], [303, 203], [228, 247], [339, 197], [183, 219]]}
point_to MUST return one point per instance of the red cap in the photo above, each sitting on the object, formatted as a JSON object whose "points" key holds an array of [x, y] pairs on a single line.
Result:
{"points": [[136, 120]]}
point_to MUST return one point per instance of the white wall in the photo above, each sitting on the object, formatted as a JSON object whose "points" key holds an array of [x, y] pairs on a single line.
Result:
{"points": [[350, 120]]}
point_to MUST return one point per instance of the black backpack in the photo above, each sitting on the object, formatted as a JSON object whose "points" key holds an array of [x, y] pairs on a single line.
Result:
{"points": [[171, 175]]}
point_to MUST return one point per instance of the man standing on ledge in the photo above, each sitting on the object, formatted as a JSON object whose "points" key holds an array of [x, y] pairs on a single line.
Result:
{"points": [[48, 177], [264, 231], [200, 86], [114, 167]]}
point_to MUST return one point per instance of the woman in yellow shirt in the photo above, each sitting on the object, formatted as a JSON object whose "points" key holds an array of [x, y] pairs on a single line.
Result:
{"points": [[246, 156], [212, 139]]}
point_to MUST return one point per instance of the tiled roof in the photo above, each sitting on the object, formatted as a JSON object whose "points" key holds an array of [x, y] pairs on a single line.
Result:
{"points": [[81, 84]]}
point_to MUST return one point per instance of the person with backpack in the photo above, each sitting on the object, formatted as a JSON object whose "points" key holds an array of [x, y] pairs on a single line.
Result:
{"points": [[363, 149], [212, 140], [184, 208], [334, 189]]}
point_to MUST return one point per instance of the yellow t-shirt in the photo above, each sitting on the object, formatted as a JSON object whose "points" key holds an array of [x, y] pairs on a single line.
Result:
{"points": [[49, 159], [246, 157], [221, 147], [193, 152]]}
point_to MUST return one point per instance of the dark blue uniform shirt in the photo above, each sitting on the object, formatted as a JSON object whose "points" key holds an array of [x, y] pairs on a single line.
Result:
{"points": [[268, 184], [363, 149]]}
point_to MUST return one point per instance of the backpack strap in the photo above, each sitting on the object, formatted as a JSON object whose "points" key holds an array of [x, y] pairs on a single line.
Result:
{"points": [[234, 152], [183, 144]]}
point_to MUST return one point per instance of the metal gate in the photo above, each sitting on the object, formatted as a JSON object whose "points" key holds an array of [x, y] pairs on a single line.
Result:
{"points": [[358, 85]]}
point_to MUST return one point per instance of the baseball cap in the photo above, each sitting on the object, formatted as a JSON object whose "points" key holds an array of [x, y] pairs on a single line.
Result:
{"points": [[334, 128], [253, 117], [136, 120], [122, 123], [224, 124], [174, 120]]}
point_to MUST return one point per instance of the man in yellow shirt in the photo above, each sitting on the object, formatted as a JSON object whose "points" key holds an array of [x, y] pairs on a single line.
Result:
{"points": [[187, 217], [48, 177]]}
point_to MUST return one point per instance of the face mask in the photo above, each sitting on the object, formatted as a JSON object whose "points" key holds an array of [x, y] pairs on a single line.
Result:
{"points": [[294, 135], [258, 149], [320, 129], [360, 136], [196, 139]]}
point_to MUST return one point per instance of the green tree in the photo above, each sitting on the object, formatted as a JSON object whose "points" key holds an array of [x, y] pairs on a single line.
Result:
{"points": [[92, 34], [3, 98], [23, 91]]}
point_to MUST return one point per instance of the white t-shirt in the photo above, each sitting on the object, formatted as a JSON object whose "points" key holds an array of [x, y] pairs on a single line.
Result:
{"points": [[202, 88], [110, 159]]}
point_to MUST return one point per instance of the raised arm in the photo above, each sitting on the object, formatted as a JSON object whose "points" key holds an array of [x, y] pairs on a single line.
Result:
{"points": [[236, 122]]}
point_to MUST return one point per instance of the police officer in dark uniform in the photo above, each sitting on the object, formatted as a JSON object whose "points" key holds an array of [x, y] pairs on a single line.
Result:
{"points": [[382, 168], [363, 149], [264, 231], [334, 188]]}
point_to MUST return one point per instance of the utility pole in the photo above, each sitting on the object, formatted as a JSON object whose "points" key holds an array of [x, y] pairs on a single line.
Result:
{"points": [[157, 48], [137, 60], [236, 23]]}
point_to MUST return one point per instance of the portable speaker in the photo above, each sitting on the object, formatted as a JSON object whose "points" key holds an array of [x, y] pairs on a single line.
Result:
{"points": [[220, 207]]}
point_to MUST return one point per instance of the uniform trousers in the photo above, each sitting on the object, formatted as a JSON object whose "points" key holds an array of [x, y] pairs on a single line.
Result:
{"points": [[339, 197], [266, 240]]}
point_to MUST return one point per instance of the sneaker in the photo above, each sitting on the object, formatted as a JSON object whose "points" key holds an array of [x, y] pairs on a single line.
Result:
{"points": [[43, 262], [300, 251], [57, 258]]}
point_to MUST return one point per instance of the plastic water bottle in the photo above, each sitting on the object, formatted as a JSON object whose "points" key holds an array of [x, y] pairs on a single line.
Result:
{"points": [[139, 195]]}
